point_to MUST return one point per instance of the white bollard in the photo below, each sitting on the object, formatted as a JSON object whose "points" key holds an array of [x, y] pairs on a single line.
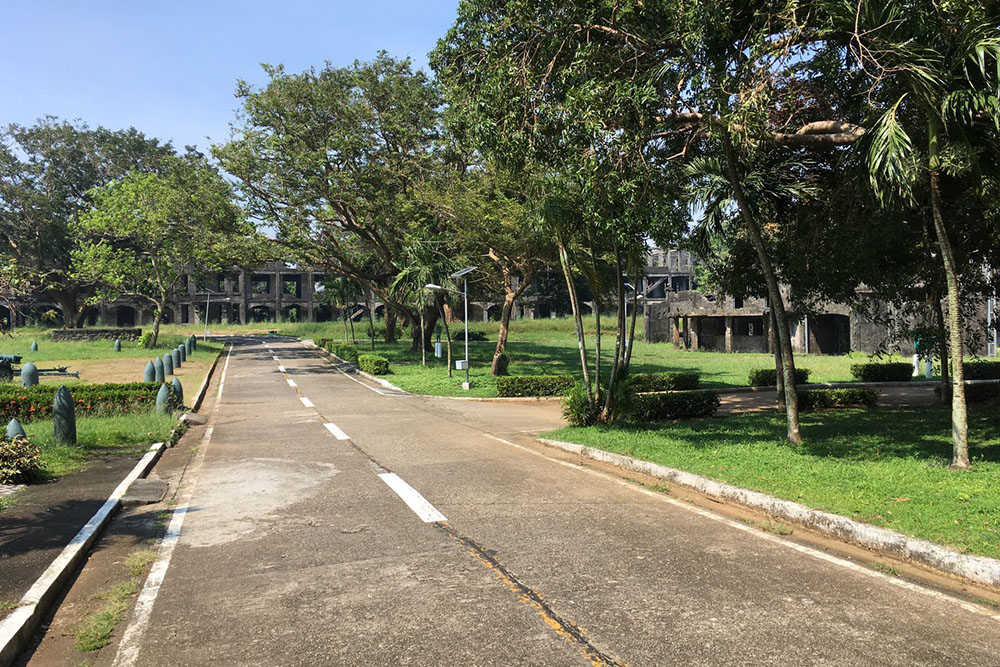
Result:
{"points": [[437, 350], [928, 368], [916, 365]]}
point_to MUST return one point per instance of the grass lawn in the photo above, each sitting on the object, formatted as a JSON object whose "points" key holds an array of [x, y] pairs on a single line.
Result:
{"points": [[96, 436], [884, 467]]}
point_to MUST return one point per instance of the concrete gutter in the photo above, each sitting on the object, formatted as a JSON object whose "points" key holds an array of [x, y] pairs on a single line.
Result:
{"points": [[18, 627], [979, 569]]}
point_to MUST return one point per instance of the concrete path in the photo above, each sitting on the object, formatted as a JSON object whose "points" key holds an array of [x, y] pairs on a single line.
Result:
{"points": [[332, 522], [917, 396]]}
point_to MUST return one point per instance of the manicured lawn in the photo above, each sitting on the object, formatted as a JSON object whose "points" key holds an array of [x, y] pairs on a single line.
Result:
{"points": [[885, 467], [96, 436]]}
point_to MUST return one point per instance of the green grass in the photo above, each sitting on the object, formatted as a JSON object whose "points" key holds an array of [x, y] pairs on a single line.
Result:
{"points": [[95, 631], [884, 467], [50, 350], [95, 436]]}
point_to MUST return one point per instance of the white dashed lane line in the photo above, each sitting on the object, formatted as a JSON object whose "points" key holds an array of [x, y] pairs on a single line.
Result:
{"points": [[306, 402], [416, 502], [291, 382], [281, 369], [337, 433]]}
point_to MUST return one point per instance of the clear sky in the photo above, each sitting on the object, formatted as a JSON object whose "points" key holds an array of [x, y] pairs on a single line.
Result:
{"points": [[169, 68]]}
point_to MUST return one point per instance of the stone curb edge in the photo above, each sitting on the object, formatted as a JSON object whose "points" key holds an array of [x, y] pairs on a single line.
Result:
{"points": [[373, 378], [979, 569], [200, 396], [18, 627]]}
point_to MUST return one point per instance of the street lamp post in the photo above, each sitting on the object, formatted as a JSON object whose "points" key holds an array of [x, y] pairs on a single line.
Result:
{"points": [[463, 364], [208, 305]]}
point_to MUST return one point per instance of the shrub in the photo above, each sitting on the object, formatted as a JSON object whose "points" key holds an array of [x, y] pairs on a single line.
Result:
{"points": [[682, 405], [982, 370], [534, 385], [29, 403], [374, 364], [892, 372], [648, 382], [345, 351], [813, 399], [474, 335], [576, 408], [144, 339], [975, 393], [767, 377], [19, 459]]}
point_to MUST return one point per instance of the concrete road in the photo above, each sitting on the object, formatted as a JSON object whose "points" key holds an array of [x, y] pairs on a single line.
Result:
{"points": [[328, 521]]}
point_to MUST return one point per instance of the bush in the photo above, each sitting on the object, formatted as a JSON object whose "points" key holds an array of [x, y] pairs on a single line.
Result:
{"points": [[893, 372], [474, 335], [982, 370], [648, 382], [373, 364], [813, 399], [685, 405], [345, 351], [975, 393], [534, 385], [577, 409], [144, 339], [19, 459], [29, 403], [767, 377]]}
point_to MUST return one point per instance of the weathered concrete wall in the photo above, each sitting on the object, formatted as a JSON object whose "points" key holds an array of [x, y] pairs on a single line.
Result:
{"points": [[96, 334]]}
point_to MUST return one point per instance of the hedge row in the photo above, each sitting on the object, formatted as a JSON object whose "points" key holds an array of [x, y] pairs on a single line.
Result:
{"points": [[534, 385], [982, 370], [663, 407], [976, 393], [458, 335], [28, 403], [813, 399], [891, 372], [650, 382], [345, 351], [373, 363], [767, 377]]}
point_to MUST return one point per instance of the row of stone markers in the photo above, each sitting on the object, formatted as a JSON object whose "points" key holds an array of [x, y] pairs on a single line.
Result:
{"points": [[158, 369]]}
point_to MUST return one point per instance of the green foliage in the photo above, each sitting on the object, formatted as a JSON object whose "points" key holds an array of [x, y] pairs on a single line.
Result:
{"points": [[30, 403], [650, 382], [891, 372], [767, 377], [345, 351], [475, 335], [577, 408], [19, 459], [815, 399], [145, 339], [374, 364], [534, 385], [682, 405], [975, 393], [982, 370]]}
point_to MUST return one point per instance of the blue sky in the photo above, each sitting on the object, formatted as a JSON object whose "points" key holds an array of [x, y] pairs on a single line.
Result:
{"points": [[170, 68]]}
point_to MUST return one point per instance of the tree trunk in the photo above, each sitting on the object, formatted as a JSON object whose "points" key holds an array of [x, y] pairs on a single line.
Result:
{"points": [[774, 294], [371, 323], [428, 316], [343, 316], [354, 339], [779, 371], [423, 348], [631, 331], [447, 331], [68, 303], [959, 414], [595, 294], [510, 297], [390, 324], [577, 318], [608, 412], [157, 318], [942, 345]]}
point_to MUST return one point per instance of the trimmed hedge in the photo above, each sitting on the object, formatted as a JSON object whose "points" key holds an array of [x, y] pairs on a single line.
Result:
{"points": [[373, 363], [345, 351], [29, 403], [650, 382], [982, 370], [474, 335], [813, 399], [534, 385], [664, 407], [767, 377], [892, 372], [975, 393]]}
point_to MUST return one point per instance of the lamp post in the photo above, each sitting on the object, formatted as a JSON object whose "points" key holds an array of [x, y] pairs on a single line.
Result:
{"points": [[462, 364], [208, 305]]}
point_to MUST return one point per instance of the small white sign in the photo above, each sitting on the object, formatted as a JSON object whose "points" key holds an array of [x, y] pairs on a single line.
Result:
{"points": [[461, 364]]}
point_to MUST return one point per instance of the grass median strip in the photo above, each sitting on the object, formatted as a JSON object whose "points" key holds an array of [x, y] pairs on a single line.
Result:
{"points": [[884, 467]]}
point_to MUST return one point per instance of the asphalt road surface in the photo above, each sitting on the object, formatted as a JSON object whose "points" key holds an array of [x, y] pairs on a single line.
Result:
{"points": [[330, 521]]}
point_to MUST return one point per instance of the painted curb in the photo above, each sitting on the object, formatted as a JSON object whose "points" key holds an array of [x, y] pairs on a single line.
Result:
{"points": [[979, 569], [373, 378], [200, 396], [18, 627]]}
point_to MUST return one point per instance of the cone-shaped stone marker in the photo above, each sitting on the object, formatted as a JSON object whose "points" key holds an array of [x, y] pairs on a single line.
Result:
{"points": [[183, 351], [149, 372], [118, 344], [187, 345], [15, 430], [64, 417], [175, 357], [178, 391], [194, 342], [34, 346], [158, 375], [29, 375], [168, 364], [163, 400]]}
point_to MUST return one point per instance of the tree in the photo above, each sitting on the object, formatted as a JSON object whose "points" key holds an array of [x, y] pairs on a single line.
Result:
{"points": [[47, 172], [145, 231], [333, 158]]}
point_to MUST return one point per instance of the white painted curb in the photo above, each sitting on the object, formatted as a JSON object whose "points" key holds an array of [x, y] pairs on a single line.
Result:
{"points": [[18, 627], [980, 569], [200, 396]]}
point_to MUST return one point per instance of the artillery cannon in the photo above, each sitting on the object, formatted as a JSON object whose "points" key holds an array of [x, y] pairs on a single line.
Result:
{"points": [[7, 370]]}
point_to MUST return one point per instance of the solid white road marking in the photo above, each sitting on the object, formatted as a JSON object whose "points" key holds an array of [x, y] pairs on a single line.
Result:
{"points": [[291, 382], [412, 498], [380, 393], [306, 402], [128, 648], [281, 369], [337, 433], [835, 560], [275, 358]]}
